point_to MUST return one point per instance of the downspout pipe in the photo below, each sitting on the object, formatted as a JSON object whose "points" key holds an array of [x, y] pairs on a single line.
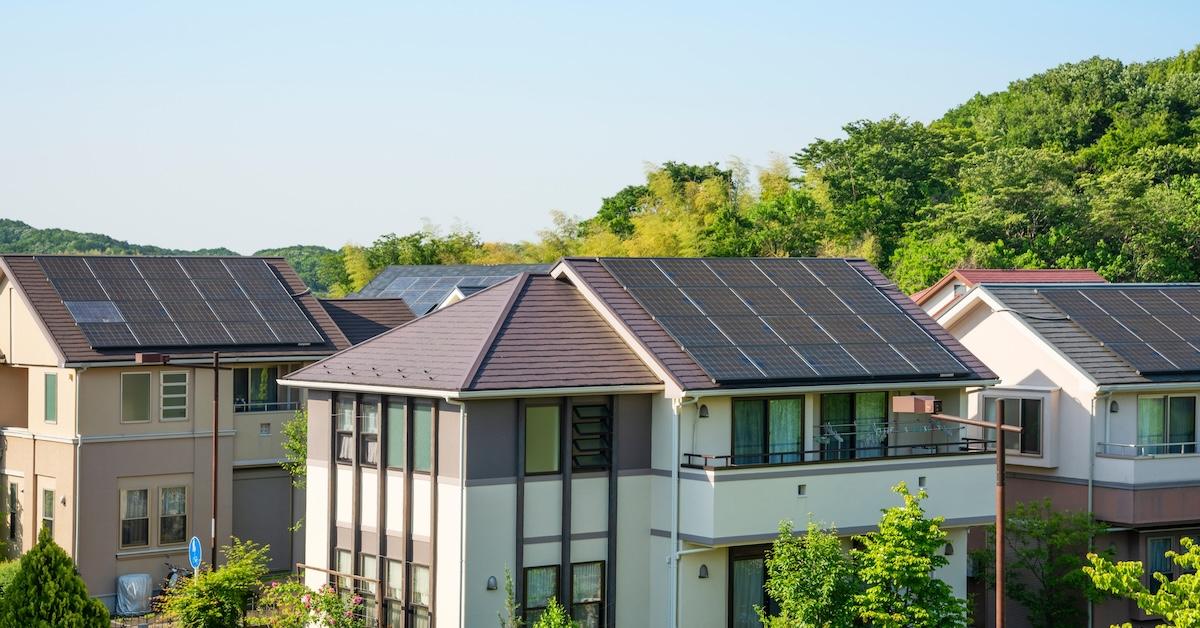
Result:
{"points": [[1091, 484], [673, 558], [78, 458]]}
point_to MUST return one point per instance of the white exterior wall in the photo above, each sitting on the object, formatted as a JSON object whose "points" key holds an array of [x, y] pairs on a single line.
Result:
{"points": [[449, 555], [316, 535]]}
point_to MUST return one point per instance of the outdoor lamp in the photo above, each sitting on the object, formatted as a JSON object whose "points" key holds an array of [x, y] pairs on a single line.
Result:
{"points": [[703, 411], [491, 585], [1114, 407], [703, 571]]}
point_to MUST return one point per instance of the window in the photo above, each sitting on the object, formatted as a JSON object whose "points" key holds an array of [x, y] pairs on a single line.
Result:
{"points": [[368, 433], [135, 397], [345, 429], [172, 515], [396, 417], [135, 518], [1024, 413], [587, 594], [853, 425], [257, 389], [541, 584], [1166, 425], [264, 429], [370, 569], [51, 400], [344, 566], [422, 436], [541, 439], [48, 510], [420, 596], [768, 431], [591, 437], [174, 394], [14, 511], [748, 574], [393, 591]]}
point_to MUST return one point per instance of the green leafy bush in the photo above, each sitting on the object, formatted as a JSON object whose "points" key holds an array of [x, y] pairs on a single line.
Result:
{"points": [[555, 616], [293, 605], [219, 598], [47, 592], [8, 571]]}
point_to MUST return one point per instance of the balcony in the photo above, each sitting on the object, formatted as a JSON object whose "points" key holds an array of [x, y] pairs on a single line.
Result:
{"points": [[241, 406], [1126, 450]]}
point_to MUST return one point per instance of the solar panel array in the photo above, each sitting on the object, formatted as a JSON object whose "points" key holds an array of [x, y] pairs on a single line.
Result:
{"points": [[423, 287], [126, 302], [783, 319], [1151, 327]]}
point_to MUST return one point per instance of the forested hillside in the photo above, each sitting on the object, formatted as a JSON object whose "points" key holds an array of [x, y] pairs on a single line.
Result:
{"points": [[18, 237], [1092, 164]]}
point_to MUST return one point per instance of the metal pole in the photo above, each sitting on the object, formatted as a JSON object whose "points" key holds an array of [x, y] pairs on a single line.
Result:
{"points": [[215, 426], [999, 513]]}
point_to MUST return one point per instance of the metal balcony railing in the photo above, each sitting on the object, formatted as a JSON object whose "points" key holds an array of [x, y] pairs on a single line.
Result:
{"points": [[241, 405], [838, 454], [1148, 450]]}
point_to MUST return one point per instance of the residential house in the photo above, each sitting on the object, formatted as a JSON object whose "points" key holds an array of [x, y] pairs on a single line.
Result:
{"points": [[946, 291], [1103, 379], [425, 288], [626, 435], [113, 452]]}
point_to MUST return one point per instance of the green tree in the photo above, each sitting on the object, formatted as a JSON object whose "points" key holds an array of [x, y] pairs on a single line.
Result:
{"points": [[555, 616], [811, 578], [295, 447], [306, 259], [896, 565], [1176, 601], [510, 617], [1044, 555], [47, 592], [215, 598]]}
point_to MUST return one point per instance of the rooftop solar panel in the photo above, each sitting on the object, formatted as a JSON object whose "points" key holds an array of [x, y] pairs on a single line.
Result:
{"points": [[1072, 303], [747, 330], [202, 267], [693, 331], [816, 300], [768, 301], [637, 273], [204, 333], [1183, 355], [160, 334], [1142, 357], [142, 311], [109, 334], [79, 289], [190, 310], [726, 364], [931, 358], [666, 302], [1157, 303], [161, 267], [831, 360], [896, 327], [742, 273], [1148, 328], [780, 362], [685, 273], [1106, 328], [65, 267], [880, 359], [1185, 326], [113, 267], [834, 272], [865, 300], [169, 289], [95, 311], [718, 301], [786, 272], [798, 330], [847, 329], [1115, 303], [127, 289]]}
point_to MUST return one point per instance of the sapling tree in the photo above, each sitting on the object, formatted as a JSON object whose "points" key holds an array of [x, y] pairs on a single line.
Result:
{"points": [[1177, 600], [47, 591], [811, 578]]}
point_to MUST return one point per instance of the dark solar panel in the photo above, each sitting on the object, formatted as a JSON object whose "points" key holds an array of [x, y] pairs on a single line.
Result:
{"points": [[144, 311], [94, 311], [191, 310], [684, 273], [726, 364], [251, 332], [173, 289], [113, 267], [798, 330], [251, 270], [665, 302], [79, 290], [816, 300], [1115, 303], [1156, 302], [779, 362], [65, 267], [636, 273], [219, 288], [931, 359], [1187, 298], [740, 273], [108, 334], [127, 289], [1185, 326], [157, 334], [298, 332], [786, 272], [274, 310], [746, 330], [865, 299], [830, 360], [1072, 303], [768, 301], [693, 331], [846, 329], [204, 333], [203, 267], [1105, 328], [718, 301], [1182, 354], [161, 267], [896, 327], [834, 272], [880, 360], [1142, 357], [1148, 328]]}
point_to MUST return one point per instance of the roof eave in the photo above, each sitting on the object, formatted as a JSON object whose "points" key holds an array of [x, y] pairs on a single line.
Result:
{"points": [[453, 394], [817, 387]]}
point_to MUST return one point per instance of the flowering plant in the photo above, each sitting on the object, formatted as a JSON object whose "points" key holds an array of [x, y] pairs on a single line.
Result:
{"points": [[293, 605]]}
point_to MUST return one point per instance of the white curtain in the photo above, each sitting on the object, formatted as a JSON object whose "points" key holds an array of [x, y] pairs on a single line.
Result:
{"points": [[870, 424], [748, 584]]}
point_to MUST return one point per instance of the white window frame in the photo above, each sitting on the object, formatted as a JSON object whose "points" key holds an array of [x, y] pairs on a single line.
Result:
{"points": [[163, 396], [149, 397], [122, 518]]}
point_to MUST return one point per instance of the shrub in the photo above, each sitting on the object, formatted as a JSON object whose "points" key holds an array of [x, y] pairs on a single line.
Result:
{"points": [[218, 598], [555, 616], [293, 605], [46, 591], [8, 571]]}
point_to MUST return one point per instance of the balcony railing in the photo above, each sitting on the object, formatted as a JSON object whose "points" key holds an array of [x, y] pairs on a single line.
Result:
{"points": [[1126, 450], [839, 454], [242, 405]]}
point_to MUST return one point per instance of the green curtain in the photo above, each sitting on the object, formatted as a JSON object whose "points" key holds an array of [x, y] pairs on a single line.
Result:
{"points": [[870, 423], [1151, 428], [786, 430], [748, 431]]}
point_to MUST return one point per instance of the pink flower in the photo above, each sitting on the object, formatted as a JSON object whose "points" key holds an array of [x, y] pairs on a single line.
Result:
{"points": [[306, 600], [358, 599], [349, 613], [274, 583]]}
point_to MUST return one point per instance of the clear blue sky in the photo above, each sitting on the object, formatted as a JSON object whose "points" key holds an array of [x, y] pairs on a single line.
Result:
{"points": [[262, 124]]}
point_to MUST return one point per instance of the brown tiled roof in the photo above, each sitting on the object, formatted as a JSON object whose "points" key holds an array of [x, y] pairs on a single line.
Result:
{"points": [[527, 332], [362, 319], [973, 276], [30, 279]]}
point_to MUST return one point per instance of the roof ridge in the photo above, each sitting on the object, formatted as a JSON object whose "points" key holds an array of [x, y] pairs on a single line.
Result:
{"points": [[522, 280]]}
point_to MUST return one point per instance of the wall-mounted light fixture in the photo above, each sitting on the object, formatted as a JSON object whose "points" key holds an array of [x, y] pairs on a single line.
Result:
{"points": [[491, 585], [949, 549], [703, 571], [1114, 407], [703, 411]]}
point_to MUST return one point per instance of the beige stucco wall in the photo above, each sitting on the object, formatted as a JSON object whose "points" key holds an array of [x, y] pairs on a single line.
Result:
{"points": [[38, 464], [14, 396], [22, 338]]}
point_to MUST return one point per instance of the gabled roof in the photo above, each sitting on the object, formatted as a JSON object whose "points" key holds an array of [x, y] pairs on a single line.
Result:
{"points": [[527, 332], [971, 276], [362, 319], [685, 362], [1110, 348], [424, 287], [29, 276]]}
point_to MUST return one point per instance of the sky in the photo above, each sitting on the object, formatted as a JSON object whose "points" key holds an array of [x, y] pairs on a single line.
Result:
{"points": [[260, 124]]}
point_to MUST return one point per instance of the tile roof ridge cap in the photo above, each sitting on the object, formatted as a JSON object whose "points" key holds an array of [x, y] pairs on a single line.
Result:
{"points": [[521, 281]]}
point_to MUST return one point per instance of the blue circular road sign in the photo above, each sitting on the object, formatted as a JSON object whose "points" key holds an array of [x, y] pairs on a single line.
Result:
{"points": [[194, 552]]}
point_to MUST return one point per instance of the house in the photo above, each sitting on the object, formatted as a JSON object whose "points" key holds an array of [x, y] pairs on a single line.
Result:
{"points": [[426, 287], [113, 452], [949, 289], [1103, 379], [627, 435]]}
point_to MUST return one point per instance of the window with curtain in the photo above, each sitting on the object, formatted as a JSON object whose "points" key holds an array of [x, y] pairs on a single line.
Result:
{"points": [[344, 415], [135, 518], [1181, 425], [135, 397], [768, 431], [1025, 413], [853, 425], [541, 584], [173, 396], [1166, 425], [422, 436], [368, 433], [393, 593], [396, 416], [587, 594], [50, 413], [420, 599], [48, 510], [345, 565], [748, 578], [1157, 561], [541, 439], [369, 566], [172, 515]]}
